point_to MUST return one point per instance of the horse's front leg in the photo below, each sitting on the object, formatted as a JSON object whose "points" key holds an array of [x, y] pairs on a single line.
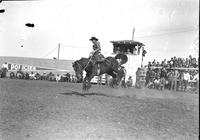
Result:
{"points": [[84, 84], [89, 79]]}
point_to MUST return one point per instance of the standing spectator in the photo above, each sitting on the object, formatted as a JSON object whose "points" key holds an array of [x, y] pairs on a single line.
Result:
{"points": [[58, 77], [129, 82], [4, 69], [157, 73], [186, 78], [156, 83], [193, 78], [163, 77], [152, 75], [123, 83], [174, 80], [181, 80], [170, 78], [147, 78], [196, 78]]}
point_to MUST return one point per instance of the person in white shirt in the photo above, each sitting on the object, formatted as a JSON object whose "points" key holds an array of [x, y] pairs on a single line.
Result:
{"points": [[5, 65], [32, 76], [186, 78], [156, 83], [58, 77]]}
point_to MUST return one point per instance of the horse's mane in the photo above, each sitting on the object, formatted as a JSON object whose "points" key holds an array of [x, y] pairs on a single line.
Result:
{"points": [[83, 58]]}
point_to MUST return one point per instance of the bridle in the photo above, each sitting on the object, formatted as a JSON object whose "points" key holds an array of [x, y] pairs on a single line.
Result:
{"points": [[79, 66]]}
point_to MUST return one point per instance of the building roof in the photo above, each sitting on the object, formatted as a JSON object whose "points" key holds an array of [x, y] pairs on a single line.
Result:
{"points": [[127, 42]]}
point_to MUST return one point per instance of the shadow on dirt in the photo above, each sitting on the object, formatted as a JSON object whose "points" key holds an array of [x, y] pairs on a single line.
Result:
{"points": [[86, 94]]}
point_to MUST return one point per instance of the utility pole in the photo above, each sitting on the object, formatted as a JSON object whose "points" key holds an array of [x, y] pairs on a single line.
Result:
{"points": [[58, 51], [133, 34], [142, 57]]}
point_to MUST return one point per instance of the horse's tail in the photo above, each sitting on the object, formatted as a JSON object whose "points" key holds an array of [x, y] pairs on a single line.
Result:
{"points": [[122, 57]]}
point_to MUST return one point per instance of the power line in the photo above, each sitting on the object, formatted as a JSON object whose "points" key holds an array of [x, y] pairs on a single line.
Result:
{"points": [[62, 46], [50, 52], [71, 46], [167, 33]]}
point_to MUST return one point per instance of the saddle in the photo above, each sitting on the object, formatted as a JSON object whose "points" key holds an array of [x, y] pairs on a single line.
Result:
{"points": [[97, 59]]}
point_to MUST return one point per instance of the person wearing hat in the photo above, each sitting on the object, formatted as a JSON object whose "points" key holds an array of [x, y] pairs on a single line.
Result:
{"points": [[96, 45], [96, 53]]}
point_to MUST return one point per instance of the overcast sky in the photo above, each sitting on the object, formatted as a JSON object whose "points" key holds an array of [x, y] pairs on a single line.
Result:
{"points": [[167, 27]]}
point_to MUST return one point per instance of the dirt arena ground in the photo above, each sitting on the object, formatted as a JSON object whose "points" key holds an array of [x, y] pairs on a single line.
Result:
{"points": [[42, 110]]}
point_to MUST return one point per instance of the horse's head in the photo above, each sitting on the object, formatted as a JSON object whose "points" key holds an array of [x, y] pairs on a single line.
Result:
{"points": [[78, 70]]}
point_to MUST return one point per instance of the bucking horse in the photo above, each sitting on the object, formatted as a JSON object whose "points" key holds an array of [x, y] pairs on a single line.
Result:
{"points": [[110, 65]]}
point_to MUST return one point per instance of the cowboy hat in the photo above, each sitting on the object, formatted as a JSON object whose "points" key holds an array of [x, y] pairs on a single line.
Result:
{"points": [[93, 38]]}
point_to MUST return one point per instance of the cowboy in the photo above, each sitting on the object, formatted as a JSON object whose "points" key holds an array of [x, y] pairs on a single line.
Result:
{"points": [[96, 53]]}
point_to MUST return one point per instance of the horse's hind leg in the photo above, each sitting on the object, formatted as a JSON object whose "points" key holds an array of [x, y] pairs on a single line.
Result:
{"points": [[114, 76]]}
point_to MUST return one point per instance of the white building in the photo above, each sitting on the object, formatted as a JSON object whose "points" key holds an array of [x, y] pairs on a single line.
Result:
{"points": [[134, 51]]}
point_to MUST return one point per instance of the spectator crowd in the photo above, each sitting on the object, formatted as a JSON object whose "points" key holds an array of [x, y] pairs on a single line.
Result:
{"points": [[176, 74], [179, 62]]}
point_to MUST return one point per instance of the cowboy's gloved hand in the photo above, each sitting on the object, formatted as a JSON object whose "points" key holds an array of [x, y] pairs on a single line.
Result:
{"points": [[91, 53]]}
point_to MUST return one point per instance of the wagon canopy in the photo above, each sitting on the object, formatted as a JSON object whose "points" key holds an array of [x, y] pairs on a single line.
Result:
{"points": [[127, 42]]}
